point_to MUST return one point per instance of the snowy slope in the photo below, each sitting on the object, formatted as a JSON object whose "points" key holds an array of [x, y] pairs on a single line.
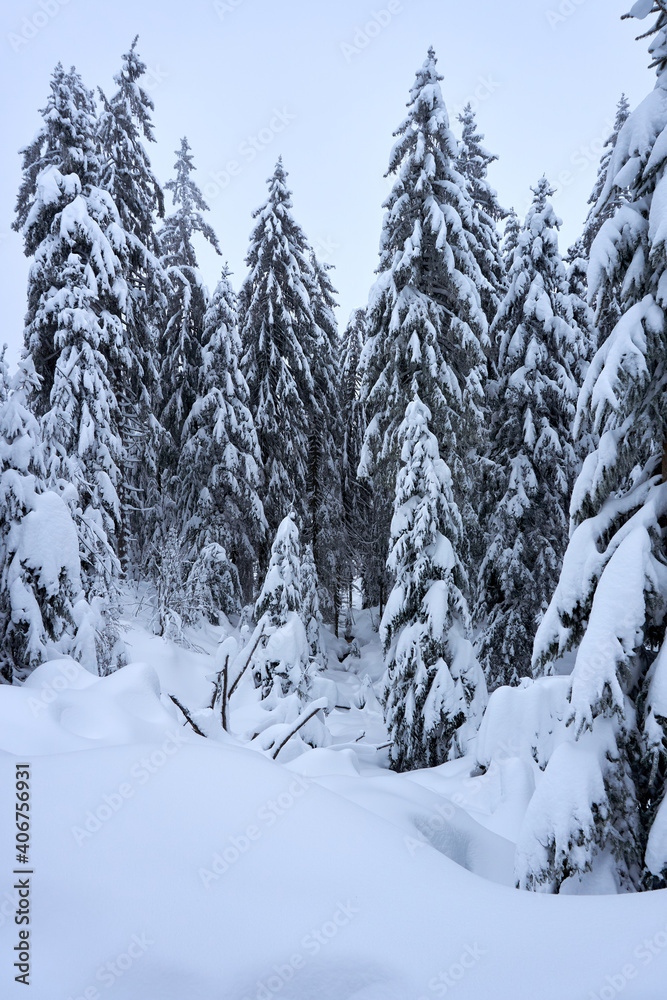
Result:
{"points": [[175, 867]]}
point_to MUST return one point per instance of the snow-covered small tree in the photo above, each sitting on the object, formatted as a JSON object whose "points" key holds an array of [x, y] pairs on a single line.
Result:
{"points": [[285, 657], [610, 605], [434, 689], [532, 447], [427, 332], [278, 328], [219, 465], [40, 570]]}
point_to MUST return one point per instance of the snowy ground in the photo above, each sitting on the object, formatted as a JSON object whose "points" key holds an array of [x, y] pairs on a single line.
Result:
{"points": [[172, 867]]}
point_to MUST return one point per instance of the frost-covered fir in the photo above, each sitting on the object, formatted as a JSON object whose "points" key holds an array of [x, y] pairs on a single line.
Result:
{"points": [[284, 659], [473, 164], [608, 307], [219, 468], [427, 331], [434, 688], [531, 447], [181, 340], [610, 603], [324, 486], [277, 331], [126, 174], [77, 294], [40, 570], [359, 550]]}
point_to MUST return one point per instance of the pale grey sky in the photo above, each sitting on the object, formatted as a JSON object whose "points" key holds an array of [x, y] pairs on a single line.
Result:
{"points": [[325, 84]]}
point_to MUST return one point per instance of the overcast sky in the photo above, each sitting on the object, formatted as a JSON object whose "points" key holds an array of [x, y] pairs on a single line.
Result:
{"points": [[325, 85]]}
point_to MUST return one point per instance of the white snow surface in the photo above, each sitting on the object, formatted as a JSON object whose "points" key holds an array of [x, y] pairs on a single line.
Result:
{"points": [[200, 869]]}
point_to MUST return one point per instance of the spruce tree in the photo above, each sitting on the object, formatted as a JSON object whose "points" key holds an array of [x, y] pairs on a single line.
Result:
{"points": [[76, 297], [278, 332], [473, 163], [426, 326], [532, 447], [609, 310], [219, 465], [126, 174], [324, 486], [357, 519], [610, 603], [40, 570], [181, 341], [434, 689]]}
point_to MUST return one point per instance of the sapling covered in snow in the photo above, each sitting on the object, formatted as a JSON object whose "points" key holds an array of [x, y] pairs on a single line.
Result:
{"points": [[287, 655], [532, 447], [611, 599], [219, 467], [434, 689], [426, 327], [40, 570]]}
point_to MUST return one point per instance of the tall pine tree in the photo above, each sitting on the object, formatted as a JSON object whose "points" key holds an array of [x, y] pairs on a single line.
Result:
{"points": [[426, 326], [611, 601], [532, 446]]}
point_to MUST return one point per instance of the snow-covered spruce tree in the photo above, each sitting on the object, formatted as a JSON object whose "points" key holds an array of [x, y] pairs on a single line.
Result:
{"points": [[284, 662], [278, 332], [180, 344], [510, 238], [357, 519], [434, 689], [532, 446], [582, 314], [473, 163], [126, 174], [611, 601], [426, 328], [76, 297], [219, 468], [40, 570], [609, 309], [324, 487]]}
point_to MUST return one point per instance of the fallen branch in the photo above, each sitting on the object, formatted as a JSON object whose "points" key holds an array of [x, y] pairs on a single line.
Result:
{"points": [[187, 715], [296, 729], [247, 664]]}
